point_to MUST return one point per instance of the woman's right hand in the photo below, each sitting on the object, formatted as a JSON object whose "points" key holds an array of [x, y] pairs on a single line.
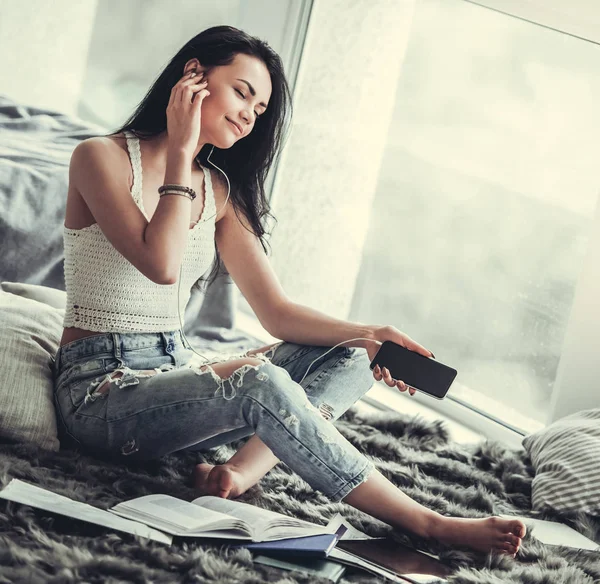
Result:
{"points": [[183, 111]]}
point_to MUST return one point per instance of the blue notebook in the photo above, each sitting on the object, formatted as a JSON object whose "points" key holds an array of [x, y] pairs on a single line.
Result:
{"points": [[312, 546]]}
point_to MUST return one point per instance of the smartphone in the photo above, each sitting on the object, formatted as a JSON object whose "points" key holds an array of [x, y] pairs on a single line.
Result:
{"points": [[424, 374]]}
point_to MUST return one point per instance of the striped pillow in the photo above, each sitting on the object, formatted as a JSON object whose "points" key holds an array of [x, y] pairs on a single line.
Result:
{"points": [[566, 459]]}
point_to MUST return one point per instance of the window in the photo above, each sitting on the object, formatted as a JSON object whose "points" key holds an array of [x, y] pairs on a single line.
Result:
{"points": [[485, 201], [133, 41]]}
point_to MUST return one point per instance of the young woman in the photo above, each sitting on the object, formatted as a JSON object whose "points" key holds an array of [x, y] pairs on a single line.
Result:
{"points": [[136, 235]]}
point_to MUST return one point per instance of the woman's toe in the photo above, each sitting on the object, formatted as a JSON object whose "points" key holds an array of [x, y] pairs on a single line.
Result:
{"points": [[512, 539], [518, 528]]}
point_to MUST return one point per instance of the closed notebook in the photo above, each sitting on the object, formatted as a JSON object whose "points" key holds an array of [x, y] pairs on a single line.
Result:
{"points": [[313, 546]]}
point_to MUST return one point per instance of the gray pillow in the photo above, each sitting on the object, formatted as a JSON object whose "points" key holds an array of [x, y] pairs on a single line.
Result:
{"points": [[566, 459], [43, 294]]}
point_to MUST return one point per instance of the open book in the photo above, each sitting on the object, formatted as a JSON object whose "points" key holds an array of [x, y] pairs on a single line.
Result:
{"points": [[28, 494], [208, 517], [214, 517]]}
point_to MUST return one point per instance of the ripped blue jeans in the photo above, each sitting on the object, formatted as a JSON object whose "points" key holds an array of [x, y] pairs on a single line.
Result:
{"points": [[142, 395]]}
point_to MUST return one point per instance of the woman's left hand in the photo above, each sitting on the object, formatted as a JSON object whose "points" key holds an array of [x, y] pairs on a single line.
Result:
{"points": [[390, 333]]}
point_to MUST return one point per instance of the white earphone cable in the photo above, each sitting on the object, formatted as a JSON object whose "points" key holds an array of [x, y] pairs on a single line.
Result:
{"points": [[332, 348], [202, 221]]}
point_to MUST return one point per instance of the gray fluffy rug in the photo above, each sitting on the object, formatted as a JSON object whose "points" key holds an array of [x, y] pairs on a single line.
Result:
{"points": [[39, 547]]}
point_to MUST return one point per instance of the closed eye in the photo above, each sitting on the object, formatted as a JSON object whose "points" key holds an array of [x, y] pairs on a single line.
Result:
{"points": [[257, 115]]}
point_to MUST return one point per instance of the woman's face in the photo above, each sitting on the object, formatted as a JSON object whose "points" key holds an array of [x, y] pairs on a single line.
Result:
{"points": [[239, 94]]}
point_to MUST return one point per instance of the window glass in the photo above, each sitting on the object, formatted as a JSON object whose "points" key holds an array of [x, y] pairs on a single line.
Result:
{"points": [[133, 41], [484, 202]]}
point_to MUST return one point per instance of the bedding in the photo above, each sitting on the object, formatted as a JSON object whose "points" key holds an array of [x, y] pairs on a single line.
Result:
{"points": [[37, 546], [415, 454], [50, 296], [566, 458]]}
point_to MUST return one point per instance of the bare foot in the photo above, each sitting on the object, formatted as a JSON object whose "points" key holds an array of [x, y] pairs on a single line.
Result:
{"points": [[220, 481], [492, 534]]}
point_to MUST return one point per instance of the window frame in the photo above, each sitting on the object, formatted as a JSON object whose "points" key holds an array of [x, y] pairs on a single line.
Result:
{"points": [[576, 366]]}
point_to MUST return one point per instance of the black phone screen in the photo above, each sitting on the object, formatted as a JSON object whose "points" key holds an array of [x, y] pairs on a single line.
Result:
{"points": [[424, 374]]}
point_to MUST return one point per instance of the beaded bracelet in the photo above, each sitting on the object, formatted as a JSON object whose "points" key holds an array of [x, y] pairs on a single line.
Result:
{"points": [[180, 188]]}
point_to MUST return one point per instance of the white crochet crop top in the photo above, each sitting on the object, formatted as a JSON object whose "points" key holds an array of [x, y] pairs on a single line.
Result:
{"points": [[106, 293]]}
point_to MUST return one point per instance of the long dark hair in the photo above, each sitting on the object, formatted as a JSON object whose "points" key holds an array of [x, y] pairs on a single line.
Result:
{"points": [[248, 161]]}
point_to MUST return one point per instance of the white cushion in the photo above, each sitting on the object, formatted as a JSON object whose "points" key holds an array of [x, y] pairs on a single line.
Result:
{"points": [[566, 459], [30, 333], [50, 296]]}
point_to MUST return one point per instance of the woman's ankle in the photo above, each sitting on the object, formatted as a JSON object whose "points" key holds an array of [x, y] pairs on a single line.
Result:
{"points": [[243, 478], [433, 526]]}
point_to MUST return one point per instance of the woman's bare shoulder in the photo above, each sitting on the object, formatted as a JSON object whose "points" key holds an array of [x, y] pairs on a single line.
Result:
{"points": [[87, 154], [112, 148], [113, 141]]}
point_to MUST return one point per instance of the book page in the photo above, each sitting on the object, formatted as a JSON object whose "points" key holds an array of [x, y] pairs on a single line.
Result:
{"points": [[261, 520], [178, 513], [27, 494], [249, 513]]}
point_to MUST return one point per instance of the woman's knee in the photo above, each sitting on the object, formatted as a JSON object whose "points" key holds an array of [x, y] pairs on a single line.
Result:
{"points": [[352, 378], [273, 390]]}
